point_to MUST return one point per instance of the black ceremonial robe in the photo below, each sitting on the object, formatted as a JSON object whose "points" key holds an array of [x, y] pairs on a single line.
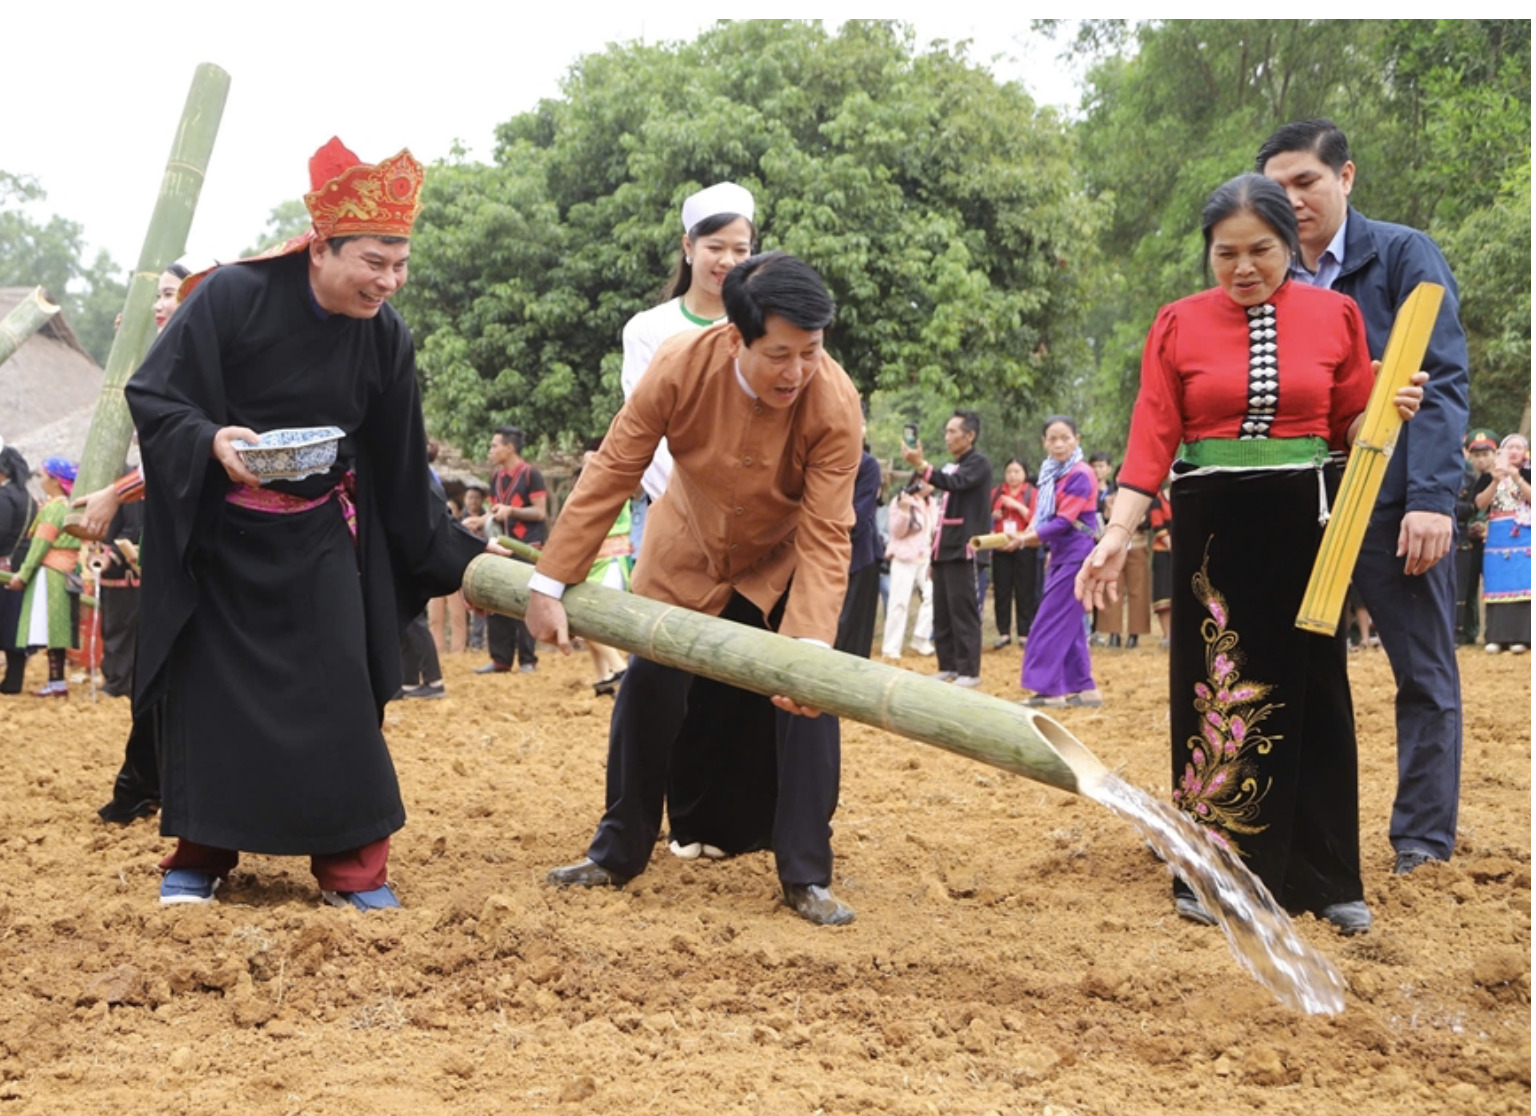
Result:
{"points": [[268, 643]]}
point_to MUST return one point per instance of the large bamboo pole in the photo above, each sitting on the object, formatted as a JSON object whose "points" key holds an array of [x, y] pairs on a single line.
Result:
{"points": [[23, 321], [106, 447], [983, 728]]}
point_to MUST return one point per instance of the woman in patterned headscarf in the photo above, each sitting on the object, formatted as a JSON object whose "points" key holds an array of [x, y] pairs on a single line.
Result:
{"points": [[1254, 385], [50, 613]]}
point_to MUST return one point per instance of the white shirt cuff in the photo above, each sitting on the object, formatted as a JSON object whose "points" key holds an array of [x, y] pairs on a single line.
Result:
{"points": [[541, 583], [817, 642]]}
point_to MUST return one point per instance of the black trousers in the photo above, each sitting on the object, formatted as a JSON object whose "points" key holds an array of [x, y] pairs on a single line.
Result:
{"points": [[723, 780], [418, 654], [856, 625], [138, 780], [119, 637], [1469, 593], [647, 716], [1013, 590], [956, 617], [510, 640]]}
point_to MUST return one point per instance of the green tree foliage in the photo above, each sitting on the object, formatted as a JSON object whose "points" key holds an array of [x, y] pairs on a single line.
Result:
{"points": [[93, 304], [1464, 98], [287, 220], [940, 205], [50, 255], [1438, 115], [1490, 252]]}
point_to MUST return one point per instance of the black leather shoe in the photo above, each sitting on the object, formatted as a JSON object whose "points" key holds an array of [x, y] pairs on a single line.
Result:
{"points": [[1409, 860], [1350, 918], [586, 873], [493, 667], [1192, 910], [122, 812], [817, 904]]}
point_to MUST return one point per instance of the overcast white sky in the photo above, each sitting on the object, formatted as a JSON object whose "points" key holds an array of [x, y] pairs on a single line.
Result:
{"points": [[96, 90]]}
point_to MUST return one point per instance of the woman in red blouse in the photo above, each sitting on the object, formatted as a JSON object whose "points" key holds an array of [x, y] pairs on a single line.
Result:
{"points": [[1257, 387], [1013, 572]]}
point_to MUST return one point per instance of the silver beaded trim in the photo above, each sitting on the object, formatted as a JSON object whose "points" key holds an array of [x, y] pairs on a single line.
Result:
{"points": [[1263, 373]]}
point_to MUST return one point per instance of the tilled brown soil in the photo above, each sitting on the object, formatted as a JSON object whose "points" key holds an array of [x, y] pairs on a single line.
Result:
{"points": [[1015, 950]]}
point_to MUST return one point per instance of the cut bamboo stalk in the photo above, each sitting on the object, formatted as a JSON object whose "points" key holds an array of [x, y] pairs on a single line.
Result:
{"points": [[989, 730], [990, 542], [1322, 606], [23, 321], [106, 446], [998, 541]]}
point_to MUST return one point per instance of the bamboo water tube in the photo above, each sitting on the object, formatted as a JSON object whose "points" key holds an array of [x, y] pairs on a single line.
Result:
{"points": [[1322, 606], [989, 730], [25, 319], [106, 446], [990, 542]]}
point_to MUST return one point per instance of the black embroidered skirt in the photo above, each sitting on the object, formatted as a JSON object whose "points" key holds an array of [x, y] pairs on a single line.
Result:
{"points": [[1262, 719]]}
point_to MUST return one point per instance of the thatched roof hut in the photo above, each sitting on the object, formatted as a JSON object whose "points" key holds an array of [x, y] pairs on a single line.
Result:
{"points": [[48, 388]]}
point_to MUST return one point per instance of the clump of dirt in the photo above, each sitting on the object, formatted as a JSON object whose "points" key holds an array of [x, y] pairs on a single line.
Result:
{"points": [[1016, 949]]}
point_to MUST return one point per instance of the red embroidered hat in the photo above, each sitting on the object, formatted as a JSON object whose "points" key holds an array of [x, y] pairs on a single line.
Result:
{"points": [[352, 198], [349, 197]]}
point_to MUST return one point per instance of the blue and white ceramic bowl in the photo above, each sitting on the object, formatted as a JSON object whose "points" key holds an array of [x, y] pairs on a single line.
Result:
{"points": [[292, 454]]}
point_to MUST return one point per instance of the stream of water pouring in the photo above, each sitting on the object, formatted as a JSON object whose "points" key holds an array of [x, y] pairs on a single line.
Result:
{"points": [[1260, 934]]}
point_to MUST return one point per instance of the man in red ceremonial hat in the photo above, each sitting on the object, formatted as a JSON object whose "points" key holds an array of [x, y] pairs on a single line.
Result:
{"points": [[272, 613]]}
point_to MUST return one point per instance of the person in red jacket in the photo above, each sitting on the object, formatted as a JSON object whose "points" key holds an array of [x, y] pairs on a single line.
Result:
{"points": [[1013, 571]]}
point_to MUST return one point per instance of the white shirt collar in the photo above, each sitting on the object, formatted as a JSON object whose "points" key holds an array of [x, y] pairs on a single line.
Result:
{"points": [[742, 380], [1336, 245], [1329, 264]]}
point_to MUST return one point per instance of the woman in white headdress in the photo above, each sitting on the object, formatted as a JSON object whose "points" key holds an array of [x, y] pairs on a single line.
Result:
{"points": [[718, 234], [711, 804]]}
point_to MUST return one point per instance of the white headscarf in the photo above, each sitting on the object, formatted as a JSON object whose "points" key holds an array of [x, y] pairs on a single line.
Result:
{"points": [[722, 197]]}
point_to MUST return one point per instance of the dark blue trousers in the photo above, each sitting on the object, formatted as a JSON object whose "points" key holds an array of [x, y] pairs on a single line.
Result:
{"points": [[1416, 618]]}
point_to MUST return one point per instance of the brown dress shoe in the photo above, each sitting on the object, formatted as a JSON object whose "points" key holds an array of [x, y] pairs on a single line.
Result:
{"points": [[817, 904], [586, 873]]}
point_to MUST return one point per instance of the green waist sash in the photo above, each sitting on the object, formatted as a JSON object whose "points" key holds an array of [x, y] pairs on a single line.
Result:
{"points": [[1254, 453]]}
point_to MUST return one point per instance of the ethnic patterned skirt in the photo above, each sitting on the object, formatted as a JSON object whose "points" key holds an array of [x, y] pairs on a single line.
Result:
{"points": [[1507, 579], [1262, 720]]}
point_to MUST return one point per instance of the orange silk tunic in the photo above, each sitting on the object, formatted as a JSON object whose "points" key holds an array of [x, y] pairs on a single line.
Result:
{"points": [[758, 495]]}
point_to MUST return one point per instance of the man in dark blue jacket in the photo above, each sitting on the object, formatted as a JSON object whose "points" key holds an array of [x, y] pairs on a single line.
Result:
{"points": [[1404, 573]]}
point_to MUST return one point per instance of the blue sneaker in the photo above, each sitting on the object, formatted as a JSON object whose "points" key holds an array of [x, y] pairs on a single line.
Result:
{"points": [[187, 885], [379, 899]]}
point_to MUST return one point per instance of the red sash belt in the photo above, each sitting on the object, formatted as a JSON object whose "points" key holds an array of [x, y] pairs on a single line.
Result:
{"points": [[62, 560], [273, 502]]}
